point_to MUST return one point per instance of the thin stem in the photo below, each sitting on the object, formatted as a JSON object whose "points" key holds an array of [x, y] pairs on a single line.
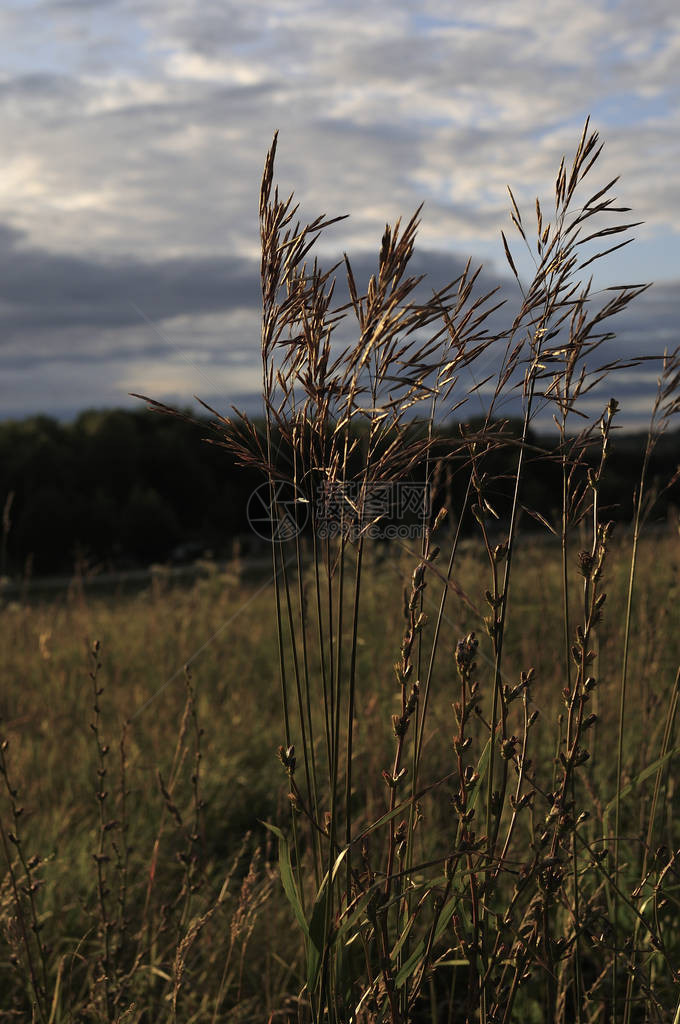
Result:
{"points": [[637, 525], [350, 715]]}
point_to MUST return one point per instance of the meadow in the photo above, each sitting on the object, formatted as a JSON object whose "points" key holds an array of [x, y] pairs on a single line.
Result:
{"points": [[247, 960], [424, 780]]}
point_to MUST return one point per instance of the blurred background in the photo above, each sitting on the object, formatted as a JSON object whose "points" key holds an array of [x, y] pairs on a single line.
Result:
{"points": [[134, 134]]}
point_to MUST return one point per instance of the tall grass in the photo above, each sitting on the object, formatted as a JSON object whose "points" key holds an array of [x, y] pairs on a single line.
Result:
{"points": [[474, 826], [512, 897]]}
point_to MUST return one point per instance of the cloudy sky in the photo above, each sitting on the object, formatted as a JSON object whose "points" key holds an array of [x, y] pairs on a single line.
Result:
{"points": [[134, 132]]}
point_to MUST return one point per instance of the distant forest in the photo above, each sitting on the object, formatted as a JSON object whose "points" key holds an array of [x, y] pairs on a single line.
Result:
{"points": [[118, 489]]}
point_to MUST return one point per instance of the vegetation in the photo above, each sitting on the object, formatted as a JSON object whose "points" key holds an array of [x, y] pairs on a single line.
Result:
{"points": [[116, 490], [470, 818]]}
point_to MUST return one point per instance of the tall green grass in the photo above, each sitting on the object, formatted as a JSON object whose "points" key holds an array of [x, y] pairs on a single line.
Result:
{"points": [[467, 819]]}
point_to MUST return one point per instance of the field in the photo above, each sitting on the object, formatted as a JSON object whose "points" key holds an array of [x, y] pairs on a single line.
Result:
{"points": [[247, 960]]}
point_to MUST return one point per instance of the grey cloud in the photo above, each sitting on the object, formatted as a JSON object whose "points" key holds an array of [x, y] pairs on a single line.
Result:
{"points": [[211, 31], [68, 317], [43, 289], [134, 168], [40, 84], [78, 5], [471, 104]]}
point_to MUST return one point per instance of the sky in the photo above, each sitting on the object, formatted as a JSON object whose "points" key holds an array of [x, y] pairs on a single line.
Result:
{"points": [[134, 134]]}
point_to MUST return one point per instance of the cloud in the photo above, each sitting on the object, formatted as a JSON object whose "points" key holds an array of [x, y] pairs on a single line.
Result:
{"points": [[81, 331], [138, 130], [43, 289], [377, 108]]}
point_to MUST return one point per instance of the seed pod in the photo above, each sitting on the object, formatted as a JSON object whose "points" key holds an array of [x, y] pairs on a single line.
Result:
{"points": [[439, 519]]}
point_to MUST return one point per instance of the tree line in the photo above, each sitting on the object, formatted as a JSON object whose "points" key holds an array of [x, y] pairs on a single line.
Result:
{"points": [[119, 489]]}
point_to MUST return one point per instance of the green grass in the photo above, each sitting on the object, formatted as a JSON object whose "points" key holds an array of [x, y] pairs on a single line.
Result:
{"points": [[47, 708]]}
